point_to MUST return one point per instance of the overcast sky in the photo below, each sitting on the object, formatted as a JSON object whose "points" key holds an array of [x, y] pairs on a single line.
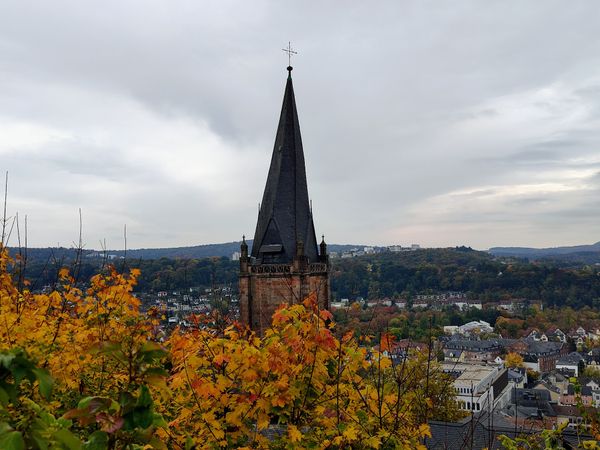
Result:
{"points": [[439, 123]]}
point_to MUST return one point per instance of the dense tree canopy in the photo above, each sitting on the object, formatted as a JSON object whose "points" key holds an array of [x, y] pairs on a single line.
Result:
{"points": [[85, 369], [374, 276]]}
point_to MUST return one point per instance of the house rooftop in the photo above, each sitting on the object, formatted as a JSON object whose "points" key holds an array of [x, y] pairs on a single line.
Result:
{"points": [[572, 359]]}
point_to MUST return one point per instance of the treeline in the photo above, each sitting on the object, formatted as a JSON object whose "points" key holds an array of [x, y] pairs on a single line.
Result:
{"points": [[162, 274], [402, 275], [391, 275]]}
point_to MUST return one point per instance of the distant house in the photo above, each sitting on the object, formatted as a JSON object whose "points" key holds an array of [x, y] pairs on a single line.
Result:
{"points": [[578, 335], [517, 377], [452, 355], [556, 335], [420, 305], [589, 382], [510, 305], [553, 391], [538, 355], [472, 350], [531, 406], [557, 380], [451, 329], [593, 357], [571, 415], [571, 397], [572, 362], [532, 333]]}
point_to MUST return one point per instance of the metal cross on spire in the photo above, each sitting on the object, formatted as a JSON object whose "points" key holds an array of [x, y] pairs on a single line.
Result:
{"points": [[290, 51]]}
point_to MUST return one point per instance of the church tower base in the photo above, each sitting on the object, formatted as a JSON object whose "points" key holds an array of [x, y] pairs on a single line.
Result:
{"points": [[264, 287]]}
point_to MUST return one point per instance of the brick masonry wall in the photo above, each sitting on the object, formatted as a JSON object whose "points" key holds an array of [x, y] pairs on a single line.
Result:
{"points": [[261, 294]]}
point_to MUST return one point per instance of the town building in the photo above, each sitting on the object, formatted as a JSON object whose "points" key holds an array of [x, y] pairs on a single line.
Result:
{"points": [[472, 350], [478, 387], [539, 355], [572, 364]]}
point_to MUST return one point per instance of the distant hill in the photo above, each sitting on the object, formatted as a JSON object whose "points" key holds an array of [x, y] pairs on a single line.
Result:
{"points": [[194, 252], [574, 255], [480, 275], [585, 253]]}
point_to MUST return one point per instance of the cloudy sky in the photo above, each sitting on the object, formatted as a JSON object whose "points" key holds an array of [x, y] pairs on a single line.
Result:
{"points": [[439, 123]]}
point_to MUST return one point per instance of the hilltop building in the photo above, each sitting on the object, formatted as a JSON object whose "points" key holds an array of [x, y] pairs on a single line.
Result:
{"points": [[285, 265]]}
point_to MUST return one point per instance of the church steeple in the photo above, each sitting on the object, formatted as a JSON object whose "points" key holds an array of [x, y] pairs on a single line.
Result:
{"points": [[285, 217], [285, 265]]}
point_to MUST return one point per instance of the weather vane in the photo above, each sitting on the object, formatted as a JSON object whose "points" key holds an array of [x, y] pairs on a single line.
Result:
{"points": [[290, 51]]}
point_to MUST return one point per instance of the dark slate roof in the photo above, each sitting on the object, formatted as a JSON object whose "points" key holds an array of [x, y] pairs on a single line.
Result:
{"points": [[572, 359], [586, 381], [541, 348], [558, 377], [452, 353], [585, 390], [468, 434], [482, 431], [516, 374], [530, 397], [548, 386], [573, 411], [474, 345], [285, 216]]}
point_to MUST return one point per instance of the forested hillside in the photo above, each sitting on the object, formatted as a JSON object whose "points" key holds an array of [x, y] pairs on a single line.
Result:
{"points": [[226, 249], [476, 273], [373, 276]]}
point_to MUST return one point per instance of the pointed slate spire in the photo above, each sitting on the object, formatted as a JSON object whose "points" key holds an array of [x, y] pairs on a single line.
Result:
{"points": [[285, 217]]}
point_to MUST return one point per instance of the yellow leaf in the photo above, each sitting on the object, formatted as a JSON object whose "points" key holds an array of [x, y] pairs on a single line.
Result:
{"points": [[263, 421], [293, 433], [350, 433]]}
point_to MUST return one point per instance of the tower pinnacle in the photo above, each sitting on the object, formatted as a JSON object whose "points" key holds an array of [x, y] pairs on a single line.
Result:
{"points": [[285, 217]]}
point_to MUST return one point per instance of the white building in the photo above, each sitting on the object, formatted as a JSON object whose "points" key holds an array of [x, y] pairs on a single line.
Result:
{"points": [[478, 387], [464, 305], [476, 326]]}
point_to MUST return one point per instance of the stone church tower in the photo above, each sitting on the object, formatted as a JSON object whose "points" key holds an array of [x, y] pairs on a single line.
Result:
{"points": [[286, 265]]}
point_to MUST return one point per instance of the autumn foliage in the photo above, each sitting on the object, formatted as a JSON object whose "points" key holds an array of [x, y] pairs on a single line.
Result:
{"points": [[83, 368]]}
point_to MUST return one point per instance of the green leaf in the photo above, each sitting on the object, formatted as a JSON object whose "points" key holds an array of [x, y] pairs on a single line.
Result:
{"points": [[3, 397], [41, 442], [21, 368], [9, 390], [19, 372], [13, 440], [151, 351], [45, 382], [67, 438], [94, 404], [158, 420], [143, 417], [98, 441], [127, 401], [156, 372], [145, 399]]}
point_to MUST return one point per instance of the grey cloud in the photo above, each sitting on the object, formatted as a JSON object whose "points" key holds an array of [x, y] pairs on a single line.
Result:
{"points": [[380, 92]]}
